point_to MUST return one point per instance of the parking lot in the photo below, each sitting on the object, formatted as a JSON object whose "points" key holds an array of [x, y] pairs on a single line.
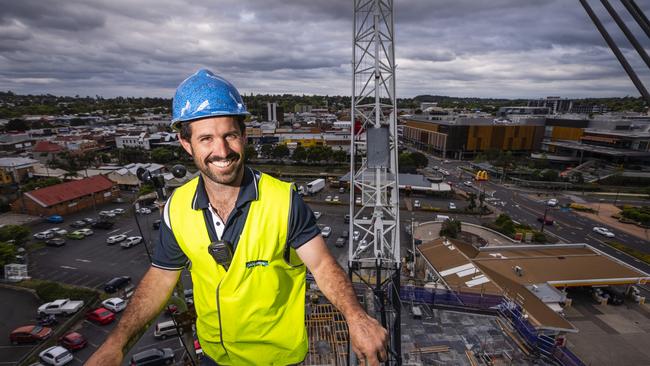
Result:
{"points": [[90, 262]]}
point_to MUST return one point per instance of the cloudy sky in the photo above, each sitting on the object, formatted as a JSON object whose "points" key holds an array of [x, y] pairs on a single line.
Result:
{"points": [[496, 48]]}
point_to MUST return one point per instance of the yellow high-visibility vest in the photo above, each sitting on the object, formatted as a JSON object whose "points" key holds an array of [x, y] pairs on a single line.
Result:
{"points": [[254, 313]]}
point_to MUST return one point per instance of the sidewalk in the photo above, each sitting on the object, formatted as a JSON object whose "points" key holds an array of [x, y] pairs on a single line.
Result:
{"points": [[605, 217]]}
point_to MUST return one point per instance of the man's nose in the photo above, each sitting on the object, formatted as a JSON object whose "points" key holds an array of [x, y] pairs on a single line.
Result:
{"points": [[221, 148]]}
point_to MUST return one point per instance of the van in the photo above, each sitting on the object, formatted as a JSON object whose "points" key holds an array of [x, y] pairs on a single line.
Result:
{"points": [[442, 218], [166, 329]]}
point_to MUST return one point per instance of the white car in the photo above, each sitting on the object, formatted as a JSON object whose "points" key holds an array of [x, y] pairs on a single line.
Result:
{"points": [[143, 211], [357, 200], [56, 356], [115, 239], [468, 183], [363, 245], [85, 232], [58, 231], [335, 199], [417, 204], [328, 199], [326, 232], [44, 235], [131, 241], [118, 211], [356, 235], [317, 215], [114, 304], [452, 206], [106, 213], [604, 231], [552, 202]]}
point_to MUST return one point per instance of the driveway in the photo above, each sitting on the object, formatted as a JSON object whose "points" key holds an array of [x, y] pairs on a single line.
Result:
{"points": [[17, 308]]}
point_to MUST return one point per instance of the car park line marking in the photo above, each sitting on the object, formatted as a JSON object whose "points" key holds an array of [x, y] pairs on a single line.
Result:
{"points": [[83, 260], [113, 231], [68, 267]]}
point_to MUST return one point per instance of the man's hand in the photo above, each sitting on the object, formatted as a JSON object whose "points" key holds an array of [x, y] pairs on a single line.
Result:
{"points": [[109, 354], [369, 339]]}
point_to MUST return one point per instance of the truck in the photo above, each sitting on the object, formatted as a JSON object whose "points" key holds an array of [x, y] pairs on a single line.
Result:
{"points": [[61, 307], [316, 185]]}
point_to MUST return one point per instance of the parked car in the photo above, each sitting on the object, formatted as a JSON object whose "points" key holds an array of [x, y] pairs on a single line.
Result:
{"points": [[118, 211], [603, 231], [55, 242], [29, 334], [357, 201], [153, 356], [61, 306], [452, 206], [79, 224], [335, 199], [468, 183], [55, 219], [104, 225], [547, 221], [73, 341], [58, 231], [115, 239], [117, 283], [363, 245], [340, 242], [100, 316], [86, 232], [156, 224], [75, 235], [106, 214], [326, 232], [131, 241], [56, 356], [328, 199], [345, 234], [317, 215], [356, 235], [47, 320], [417, 204], [552, 202], [114, 304], [341, 189], [89, 220], [143, 210], [43, 235]]}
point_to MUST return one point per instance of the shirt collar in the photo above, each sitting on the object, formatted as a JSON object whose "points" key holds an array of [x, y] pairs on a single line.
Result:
{"points": [[247, 192]]}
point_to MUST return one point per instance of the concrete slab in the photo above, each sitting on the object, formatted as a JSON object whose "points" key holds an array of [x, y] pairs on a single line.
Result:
{"points": [[620, 323]]}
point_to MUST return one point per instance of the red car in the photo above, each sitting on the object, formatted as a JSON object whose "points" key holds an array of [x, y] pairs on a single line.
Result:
{"points": [[73, 341], [29, 334], [100, 316]]}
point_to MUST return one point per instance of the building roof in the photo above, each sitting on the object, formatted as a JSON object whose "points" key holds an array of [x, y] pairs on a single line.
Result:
{"points": [[17, 162], [606, 150], [68, 191], [46, 147], [517, 270]]}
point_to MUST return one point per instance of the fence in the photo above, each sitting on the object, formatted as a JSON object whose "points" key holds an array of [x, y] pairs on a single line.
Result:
{"points": [[449, 298]]}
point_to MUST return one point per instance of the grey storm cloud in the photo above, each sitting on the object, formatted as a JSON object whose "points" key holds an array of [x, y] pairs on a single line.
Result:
{"points": [[497, 48]]}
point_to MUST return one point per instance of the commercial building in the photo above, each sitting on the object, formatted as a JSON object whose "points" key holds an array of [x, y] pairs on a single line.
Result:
{"points": [[68, 197], [15, 170], [558, 105], [465, 137]]}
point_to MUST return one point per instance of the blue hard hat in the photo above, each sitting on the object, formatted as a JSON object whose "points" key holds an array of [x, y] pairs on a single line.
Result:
{"points": [[203, 95]]}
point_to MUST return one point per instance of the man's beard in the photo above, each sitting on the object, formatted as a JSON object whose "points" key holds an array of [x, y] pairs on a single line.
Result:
{"points": [[229, 178]]}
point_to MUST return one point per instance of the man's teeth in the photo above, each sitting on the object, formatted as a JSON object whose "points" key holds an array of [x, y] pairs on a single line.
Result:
{"points": [[222, 164]]}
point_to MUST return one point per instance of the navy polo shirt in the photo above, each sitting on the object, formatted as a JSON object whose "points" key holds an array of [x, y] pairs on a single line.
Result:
{"points": [[168, 255]]}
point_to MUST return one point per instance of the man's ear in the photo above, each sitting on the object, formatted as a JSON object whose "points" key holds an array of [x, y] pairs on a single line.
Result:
{"points": [[186, 145]]}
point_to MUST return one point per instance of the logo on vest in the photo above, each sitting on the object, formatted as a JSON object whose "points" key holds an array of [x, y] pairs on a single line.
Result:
{"points": [[256, 263]]}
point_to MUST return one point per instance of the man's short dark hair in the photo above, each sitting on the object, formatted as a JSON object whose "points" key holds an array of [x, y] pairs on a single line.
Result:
{"points": [[186, 131]]}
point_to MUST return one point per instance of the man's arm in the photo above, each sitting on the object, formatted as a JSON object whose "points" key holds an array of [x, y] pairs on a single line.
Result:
{"points": [[369, 339], [147, 302]]}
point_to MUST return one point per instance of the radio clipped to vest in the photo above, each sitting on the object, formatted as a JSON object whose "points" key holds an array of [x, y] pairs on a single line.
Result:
{"points": [[221, 251]]}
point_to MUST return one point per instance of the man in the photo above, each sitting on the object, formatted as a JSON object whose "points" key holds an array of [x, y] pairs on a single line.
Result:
{"points": [[246, 238]]}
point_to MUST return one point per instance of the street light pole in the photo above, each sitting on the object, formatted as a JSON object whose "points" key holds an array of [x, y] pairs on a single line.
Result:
{"points": [[544, 218]]}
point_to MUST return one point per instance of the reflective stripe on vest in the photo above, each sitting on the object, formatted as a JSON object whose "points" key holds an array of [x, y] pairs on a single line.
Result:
{"points": [[254, 313]]}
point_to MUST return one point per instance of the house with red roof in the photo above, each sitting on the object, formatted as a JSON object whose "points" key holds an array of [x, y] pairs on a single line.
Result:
{"points": [[68, 197], [45, 151]]}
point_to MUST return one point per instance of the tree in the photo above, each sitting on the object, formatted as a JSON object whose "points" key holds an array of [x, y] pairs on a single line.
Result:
{"points": [[162, 155], [16, 125], [299, 154], [419, 159], [450, 228], [340, 156], [266, 150], [41, 183], [7, 253], [406, 163], [249, 153], [17, 233], [471, 198], [281, 151]]}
